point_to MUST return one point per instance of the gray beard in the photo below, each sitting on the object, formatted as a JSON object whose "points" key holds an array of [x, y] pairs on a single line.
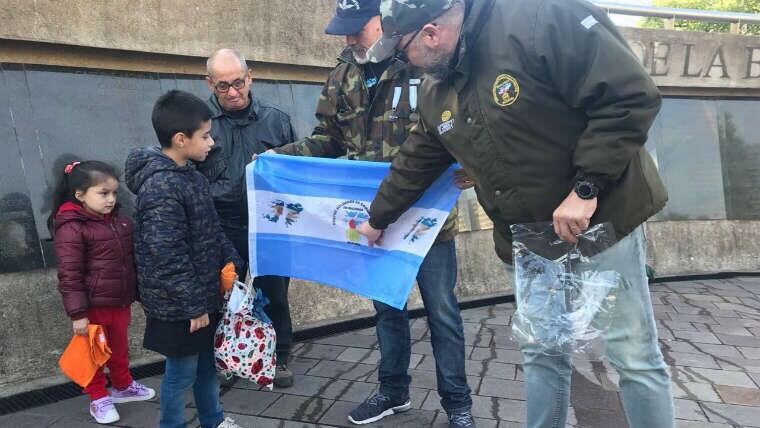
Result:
{"points": [[439, 69], [361, 60], [438, 73]]}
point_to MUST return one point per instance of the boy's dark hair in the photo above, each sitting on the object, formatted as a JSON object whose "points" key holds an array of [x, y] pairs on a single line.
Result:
{"points": [[78, 176], [178, 111]]}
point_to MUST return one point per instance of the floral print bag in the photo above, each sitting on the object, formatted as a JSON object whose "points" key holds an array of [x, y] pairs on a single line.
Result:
{"points": [[244, 344]]}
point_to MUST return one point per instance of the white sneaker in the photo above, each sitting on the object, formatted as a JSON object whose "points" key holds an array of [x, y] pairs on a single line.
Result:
{"points": [[103, 411], [228, 423]]}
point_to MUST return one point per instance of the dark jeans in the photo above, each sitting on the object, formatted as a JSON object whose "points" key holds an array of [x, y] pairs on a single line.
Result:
{"points": [[274, 288], [436, 278]]}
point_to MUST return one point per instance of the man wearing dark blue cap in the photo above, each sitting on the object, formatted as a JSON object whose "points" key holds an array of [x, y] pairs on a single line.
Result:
{"points": [[365, 112]]}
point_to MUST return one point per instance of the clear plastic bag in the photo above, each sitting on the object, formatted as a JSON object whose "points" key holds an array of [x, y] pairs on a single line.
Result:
{"points": [[564, 299]]}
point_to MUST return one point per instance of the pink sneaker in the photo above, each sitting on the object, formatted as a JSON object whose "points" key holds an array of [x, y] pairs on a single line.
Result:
{"points": [[134, 392], [103, 411]]}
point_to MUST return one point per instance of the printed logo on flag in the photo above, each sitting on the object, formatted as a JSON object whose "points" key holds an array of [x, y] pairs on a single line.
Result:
{"points": [[351, 214], [277, 209], [420, 228]]}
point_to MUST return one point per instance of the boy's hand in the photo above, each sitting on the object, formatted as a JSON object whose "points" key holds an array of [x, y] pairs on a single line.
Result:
{"points": [[256, 156], [80, 326], [198, 323]]}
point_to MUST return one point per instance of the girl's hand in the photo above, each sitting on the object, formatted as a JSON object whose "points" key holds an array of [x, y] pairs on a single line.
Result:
{"points": [[80, 326]]}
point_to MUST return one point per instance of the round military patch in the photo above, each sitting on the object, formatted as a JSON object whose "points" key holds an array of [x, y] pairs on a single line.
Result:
{"points": [[506, 90], [446, 116]]}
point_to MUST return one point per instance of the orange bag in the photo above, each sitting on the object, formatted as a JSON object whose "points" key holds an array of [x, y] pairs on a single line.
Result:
{"points": [[85, 355], [227, 277]]}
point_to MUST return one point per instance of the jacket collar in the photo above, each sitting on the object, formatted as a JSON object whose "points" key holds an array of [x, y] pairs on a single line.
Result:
{"points": [[254, 107], [476, 17], [396, 66], [72, 211]]}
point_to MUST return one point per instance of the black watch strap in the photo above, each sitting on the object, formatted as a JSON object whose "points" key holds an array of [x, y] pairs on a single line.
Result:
{"points": [[586, 189]]}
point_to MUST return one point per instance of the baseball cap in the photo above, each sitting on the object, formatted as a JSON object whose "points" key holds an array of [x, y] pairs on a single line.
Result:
{"points": [[401, 17], [351, 16]]}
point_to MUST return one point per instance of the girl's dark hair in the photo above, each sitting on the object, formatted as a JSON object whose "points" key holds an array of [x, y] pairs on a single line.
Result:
{"points": [[78, 176]]}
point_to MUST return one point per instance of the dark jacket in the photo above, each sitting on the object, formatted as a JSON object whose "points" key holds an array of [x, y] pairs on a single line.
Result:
{"points": [[96, 264], [179, 243], [353, 124], [542, 92], [235, 143]]}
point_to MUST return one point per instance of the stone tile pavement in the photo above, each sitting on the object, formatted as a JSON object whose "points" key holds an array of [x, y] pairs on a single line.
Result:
{"points": [[710, 336]]}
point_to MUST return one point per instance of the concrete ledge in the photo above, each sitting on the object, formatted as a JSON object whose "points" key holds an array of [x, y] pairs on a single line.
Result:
{"points": [[36, 53], [34, 330], [686, 247], [285, 32]]}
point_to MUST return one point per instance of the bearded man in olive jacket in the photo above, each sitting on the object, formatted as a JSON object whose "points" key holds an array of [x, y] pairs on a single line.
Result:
{"points": [[547, 109]]}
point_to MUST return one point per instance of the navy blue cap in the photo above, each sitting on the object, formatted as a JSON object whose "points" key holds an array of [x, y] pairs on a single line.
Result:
{"points": [[351, 16]]}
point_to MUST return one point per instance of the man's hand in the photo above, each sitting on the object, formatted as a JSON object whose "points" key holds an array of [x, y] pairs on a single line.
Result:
{"points": [[374, 236], [80, 326], [256, 156], [198, 323], [573, 217], [462, 180]]}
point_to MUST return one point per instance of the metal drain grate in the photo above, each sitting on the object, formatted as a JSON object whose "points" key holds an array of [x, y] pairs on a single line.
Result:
{"points": [[52, 394]]}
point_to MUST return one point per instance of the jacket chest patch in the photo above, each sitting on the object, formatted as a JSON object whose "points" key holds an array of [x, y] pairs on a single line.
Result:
{"points": [[506, 90], [447, 123]]}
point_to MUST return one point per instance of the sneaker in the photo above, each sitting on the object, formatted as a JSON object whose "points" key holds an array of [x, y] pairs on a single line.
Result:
{"points": [[134, 392], [377, 407], [103, 411], [228, 423], [461, 420], [283, 377]]}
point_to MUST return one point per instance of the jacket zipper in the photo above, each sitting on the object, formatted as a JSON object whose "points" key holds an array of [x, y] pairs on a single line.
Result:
{"points": [[370, 109], [121, 249]]}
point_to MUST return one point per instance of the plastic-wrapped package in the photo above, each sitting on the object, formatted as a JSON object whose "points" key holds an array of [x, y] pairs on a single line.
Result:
{"points": [[564, 297]]}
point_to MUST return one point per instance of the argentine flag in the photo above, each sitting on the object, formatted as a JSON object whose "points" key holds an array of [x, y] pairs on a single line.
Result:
{"points": [[304, 216]]}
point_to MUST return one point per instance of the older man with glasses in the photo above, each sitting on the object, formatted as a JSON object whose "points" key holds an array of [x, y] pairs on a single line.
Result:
{"points": [[243, 126]]}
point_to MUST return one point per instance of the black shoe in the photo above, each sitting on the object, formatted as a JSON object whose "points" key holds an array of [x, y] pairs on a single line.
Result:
{"points": [[377, 407], [283, 377], [461, 420], [225, 382]]}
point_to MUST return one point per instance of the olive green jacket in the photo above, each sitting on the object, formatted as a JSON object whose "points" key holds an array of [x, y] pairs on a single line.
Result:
{"points": [[542, 92]]}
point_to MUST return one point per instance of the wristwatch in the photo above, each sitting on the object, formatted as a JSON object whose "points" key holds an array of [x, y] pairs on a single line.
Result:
{"points": [[586, 189]]}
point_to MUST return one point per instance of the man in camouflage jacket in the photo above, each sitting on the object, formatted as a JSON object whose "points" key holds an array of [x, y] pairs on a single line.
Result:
{"points": [[365, 113]]}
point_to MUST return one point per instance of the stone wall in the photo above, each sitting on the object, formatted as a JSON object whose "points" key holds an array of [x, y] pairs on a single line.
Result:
{"points": [[283, 32]]}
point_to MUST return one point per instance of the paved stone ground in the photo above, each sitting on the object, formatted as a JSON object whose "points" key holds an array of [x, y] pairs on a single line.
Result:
{"points": [[709, 330]]}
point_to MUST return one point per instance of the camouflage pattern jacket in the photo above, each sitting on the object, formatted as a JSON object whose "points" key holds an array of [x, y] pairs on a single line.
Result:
{"points": [[353, 126]]}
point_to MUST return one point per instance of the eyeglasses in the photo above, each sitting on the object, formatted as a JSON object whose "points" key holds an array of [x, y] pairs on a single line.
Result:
{"points": [[409, 42], [224, 87]]}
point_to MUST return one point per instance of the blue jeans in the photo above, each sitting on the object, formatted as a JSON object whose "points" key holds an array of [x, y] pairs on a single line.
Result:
{"points": [[436, 278], [198, 372], [631, 345]]}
